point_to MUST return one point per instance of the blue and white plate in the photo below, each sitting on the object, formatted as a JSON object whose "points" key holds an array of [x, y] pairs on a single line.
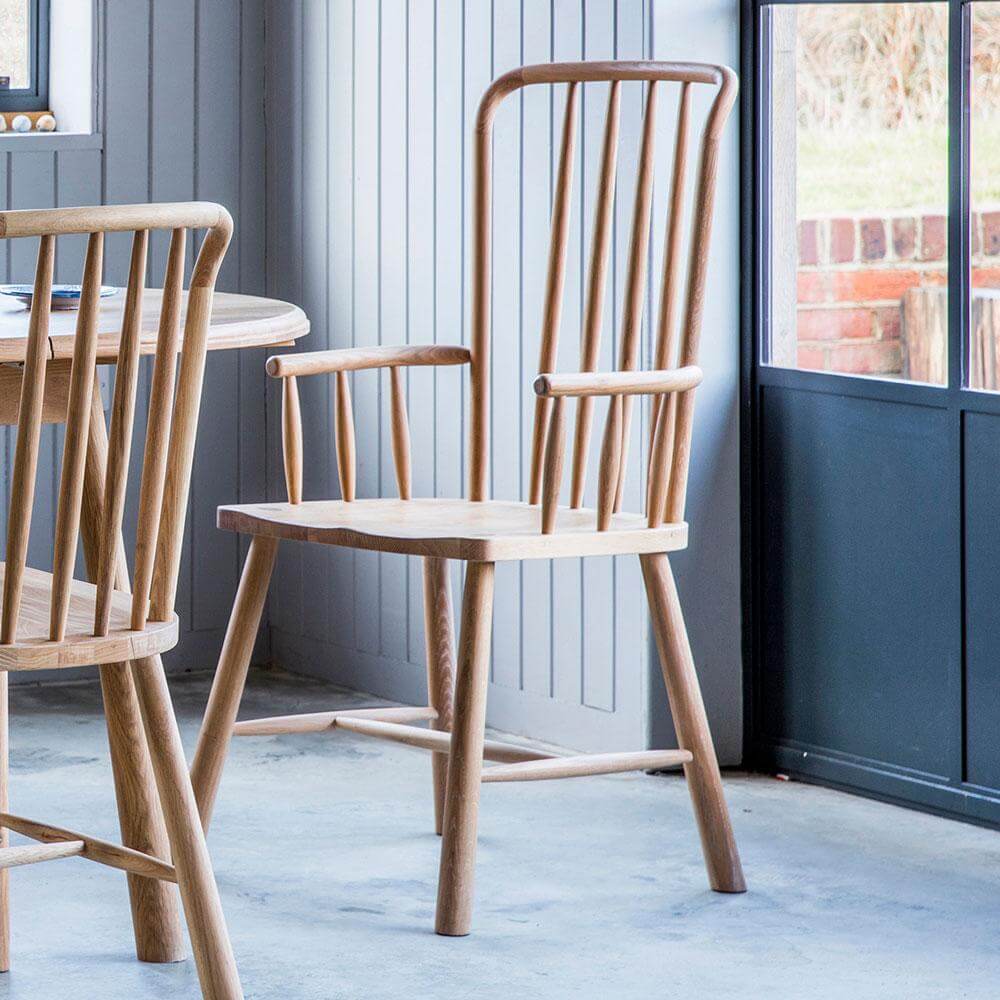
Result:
{"points": [[63, 296]]}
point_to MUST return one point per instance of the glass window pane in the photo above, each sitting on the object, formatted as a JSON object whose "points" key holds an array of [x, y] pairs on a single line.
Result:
{"points": [[15, 33], [984, 345], [857, 188]]}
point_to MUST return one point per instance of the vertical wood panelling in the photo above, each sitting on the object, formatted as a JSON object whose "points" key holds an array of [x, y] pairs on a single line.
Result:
{"points": [[180, 85], [391, 222]]}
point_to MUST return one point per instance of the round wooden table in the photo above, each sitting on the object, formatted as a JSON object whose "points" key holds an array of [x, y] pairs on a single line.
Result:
{"points": [[237, 321]]}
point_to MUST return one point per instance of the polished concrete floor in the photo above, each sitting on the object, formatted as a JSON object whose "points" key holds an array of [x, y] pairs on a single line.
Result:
{"points": [[587, 888]]}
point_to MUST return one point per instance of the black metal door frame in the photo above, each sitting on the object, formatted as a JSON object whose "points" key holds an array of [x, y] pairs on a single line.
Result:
{"points": [[956, 796]]}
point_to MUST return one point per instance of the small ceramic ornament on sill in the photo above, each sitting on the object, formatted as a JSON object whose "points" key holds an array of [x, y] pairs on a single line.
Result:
{"points": [[46, 123], [21, 123]]}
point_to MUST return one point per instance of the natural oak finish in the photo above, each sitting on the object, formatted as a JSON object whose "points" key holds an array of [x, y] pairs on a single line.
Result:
{"points": [[30, 854], [586, 765], [439, 633], [480, 530], [54, 620], [94, 849], [465, 762], [230, 676]]}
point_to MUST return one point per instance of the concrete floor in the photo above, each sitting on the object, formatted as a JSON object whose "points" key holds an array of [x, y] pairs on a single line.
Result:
{"points": [[591, 888]]}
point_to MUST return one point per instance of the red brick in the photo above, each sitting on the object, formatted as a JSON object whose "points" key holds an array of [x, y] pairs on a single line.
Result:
{"points": [[889, 321], [975, 237], [812, 359], [812, 286], [991, 233], [904, 238], [842, 242], [809, 242], [873, 284], [834, 324], [933, 238], [934, 277], [878, 358], [986, 277], [872, 239]]}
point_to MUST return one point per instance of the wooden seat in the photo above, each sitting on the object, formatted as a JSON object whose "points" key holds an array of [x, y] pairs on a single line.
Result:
{"points": [[483, 531], [32, 649]]}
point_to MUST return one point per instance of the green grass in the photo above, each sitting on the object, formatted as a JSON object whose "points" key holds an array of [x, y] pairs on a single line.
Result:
{"points": [[889, 170]]}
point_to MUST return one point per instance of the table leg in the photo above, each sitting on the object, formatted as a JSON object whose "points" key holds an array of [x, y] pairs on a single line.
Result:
{"points": [[155, 914]]}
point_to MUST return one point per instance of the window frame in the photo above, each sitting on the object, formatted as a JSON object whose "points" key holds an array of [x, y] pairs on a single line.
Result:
{"points": [[35, 97]]}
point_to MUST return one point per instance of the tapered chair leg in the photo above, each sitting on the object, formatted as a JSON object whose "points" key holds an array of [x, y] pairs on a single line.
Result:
{"points": [[440, 641], [4, 835], [725, 873], [231, 674], [465, 762], [213, 952]]}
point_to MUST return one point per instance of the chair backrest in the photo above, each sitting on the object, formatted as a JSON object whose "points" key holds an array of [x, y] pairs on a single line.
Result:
{"points": [[174, 401], [676, 341]]}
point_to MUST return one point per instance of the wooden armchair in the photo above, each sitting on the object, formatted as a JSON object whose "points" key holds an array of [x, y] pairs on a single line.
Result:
{"points": [[480, 530], [51, 620]]}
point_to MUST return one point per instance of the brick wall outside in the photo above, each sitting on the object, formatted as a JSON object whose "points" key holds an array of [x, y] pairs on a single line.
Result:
{"points": [[853, 272]]}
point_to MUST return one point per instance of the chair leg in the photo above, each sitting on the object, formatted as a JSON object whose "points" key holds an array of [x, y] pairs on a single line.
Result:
{"points": [[213, 952], [465, 761], [440, 641], [4, 835], [231, 674], [725, 873]]}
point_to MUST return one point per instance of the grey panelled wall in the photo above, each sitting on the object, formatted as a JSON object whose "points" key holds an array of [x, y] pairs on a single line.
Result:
{"points": [[370, 110], [180, 109]]}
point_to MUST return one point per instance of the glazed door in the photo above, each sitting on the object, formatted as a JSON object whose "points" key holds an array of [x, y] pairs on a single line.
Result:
{"points": [[871, 413]]}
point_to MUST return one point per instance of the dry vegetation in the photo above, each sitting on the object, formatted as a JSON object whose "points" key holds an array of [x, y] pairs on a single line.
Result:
{"points": [[872, 97], [13, 31]]}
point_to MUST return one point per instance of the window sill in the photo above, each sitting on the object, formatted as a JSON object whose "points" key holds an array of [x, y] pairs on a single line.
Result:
{"points": [[37, 142]]}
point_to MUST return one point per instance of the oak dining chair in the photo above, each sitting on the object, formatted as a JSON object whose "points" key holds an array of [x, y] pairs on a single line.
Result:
{"points": [[480, 530], [53, 620]]}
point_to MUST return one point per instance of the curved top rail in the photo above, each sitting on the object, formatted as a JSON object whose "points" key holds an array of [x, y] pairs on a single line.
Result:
{"points": [[590, 72], [114, 218]]}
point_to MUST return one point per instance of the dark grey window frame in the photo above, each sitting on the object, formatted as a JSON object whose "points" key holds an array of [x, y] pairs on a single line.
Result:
{"points": [[35, 97], [957, 796]]}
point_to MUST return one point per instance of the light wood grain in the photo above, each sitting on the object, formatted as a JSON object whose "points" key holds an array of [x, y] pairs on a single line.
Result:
{"points": [[291, 438], [722, 859], [400, 433], [350, 359], [344, 432], [555, 443], [120, 436], [430, 739], [321, 722], [490, 531], [213, 952], [94, 849], [596, 284], [22, 480], [465, 763], [626, 383], [237, 321], [230, 675], [554, 284], [75, 446], [31, 854], [611, 457], [586, 765], [154, 464], [439, 637]]}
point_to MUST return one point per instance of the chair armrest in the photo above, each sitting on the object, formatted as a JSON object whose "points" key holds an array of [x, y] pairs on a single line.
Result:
{"points": [[350, 359], [627, 383]]}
